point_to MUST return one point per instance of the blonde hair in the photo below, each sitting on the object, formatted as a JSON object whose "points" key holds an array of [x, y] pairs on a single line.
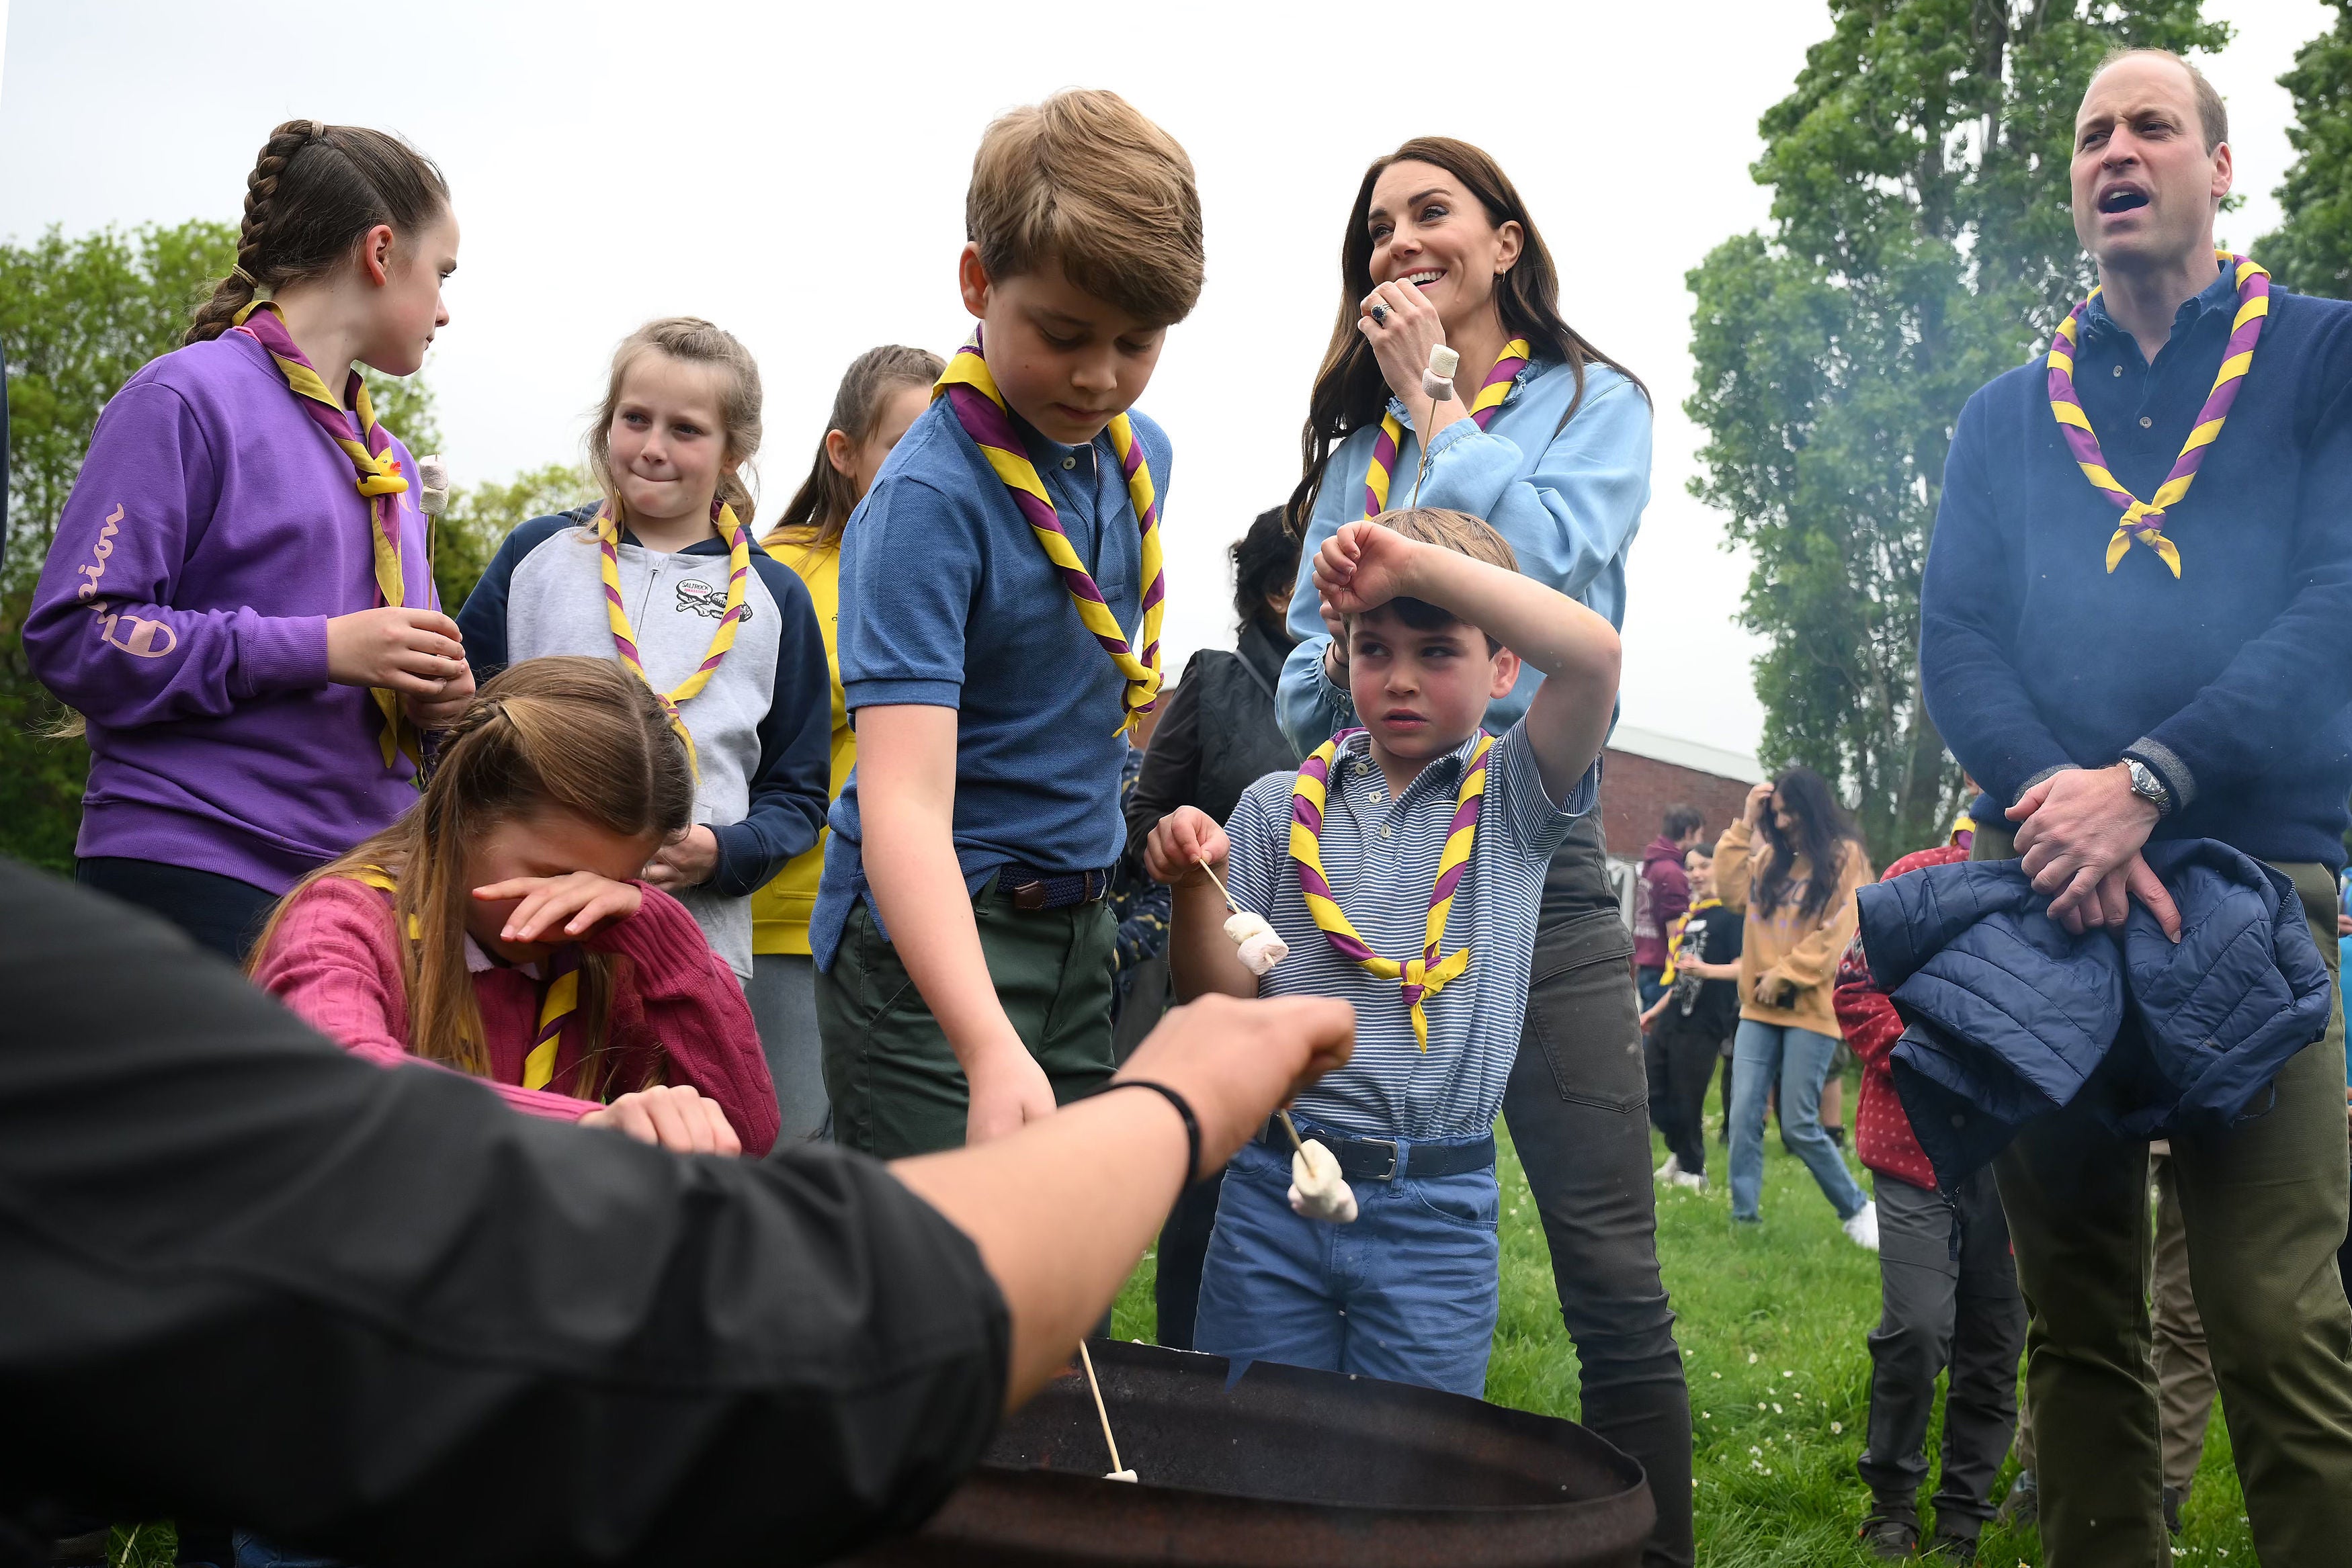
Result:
{"points": [[2212, 114], [578, 735], [1084, 180], [820, 509], [1449, 530], [690, 341]]}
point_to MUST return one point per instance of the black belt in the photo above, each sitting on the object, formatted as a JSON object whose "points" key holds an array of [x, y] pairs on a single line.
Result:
{"points": [[1375, 1159], [1034, 889]]}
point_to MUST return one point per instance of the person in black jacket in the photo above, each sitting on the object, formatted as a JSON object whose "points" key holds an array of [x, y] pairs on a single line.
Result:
{"points": [[1218, 738], [1694, 1015], [421, 1329]]}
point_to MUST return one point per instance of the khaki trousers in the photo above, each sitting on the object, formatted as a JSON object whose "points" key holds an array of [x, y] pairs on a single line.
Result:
{"points": [[2263, 1208]]}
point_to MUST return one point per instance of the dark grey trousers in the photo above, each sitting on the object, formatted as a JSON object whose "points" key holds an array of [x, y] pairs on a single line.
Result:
{"points": [[1940, 1312], [1577, 1109]]}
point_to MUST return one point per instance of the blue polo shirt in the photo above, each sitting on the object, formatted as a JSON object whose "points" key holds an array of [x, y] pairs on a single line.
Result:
{"points": [[948, 601], [2232, 682]]}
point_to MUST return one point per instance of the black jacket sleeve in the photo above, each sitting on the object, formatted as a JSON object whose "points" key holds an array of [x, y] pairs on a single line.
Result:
{"points": [[1171, 766], [792, 789], [244, 1275]]}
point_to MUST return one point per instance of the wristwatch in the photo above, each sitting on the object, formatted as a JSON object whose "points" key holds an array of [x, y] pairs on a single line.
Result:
{"points": [[2147, 786]]}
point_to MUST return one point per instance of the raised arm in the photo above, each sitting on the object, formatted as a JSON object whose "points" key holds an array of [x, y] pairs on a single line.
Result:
{"points": [[1364, 565]]}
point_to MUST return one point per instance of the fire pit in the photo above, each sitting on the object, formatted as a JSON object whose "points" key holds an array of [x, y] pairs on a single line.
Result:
{"points": [[1285, 1468]]}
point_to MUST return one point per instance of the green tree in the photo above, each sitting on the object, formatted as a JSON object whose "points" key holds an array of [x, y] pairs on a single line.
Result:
{"points": [[1920, 244], [2311, 251], [480, 517]]}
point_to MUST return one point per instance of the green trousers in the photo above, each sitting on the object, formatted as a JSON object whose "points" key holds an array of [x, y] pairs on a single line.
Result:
{"points": [[895, 1086], [2265, 1209]]}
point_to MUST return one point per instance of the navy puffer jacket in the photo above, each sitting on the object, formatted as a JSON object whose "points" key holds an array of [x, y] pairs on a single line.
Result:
{"points": [[2007, 1017]]}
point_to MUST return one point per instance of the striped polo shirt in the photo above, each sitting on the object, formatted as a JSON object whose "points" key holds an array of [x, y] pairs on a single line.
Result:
{"points": [[1380, 857]]}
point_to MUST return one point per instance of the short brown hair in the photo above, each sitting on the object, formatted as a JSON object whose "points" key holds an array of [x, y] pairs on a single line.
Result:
{"points": [[1084, 179], [695, 341], [1450, 530], [2212, 114]]}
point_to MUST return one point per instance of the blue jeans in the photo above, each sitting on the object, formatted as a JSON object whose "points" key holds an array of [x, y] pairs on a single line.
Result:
{"points": [[1799, 1060], [1408, 1292]]}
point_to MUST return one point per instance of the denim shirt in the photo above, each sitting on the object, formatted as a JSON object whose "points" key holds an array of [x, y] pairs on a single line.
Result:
{"points": [[1568, 500]]}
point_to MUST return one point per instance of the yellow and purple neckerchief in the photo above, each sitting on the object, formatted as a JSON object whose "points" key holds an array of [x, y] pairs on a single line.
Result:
{"points": [[377, 475], [1675, 937], [624, 636], [980, 408], [1421, 977], [563, 998], [1491, 393], [2143, 520]]}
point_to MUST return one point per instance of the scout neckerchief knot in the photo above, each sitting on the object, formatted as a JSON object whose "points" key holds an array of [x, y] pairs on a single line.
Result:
{"points": [[561, 1001], [971, 393], [377, 475], [624, 636], [2143, 520], [1421, 977], [1491, 393]]}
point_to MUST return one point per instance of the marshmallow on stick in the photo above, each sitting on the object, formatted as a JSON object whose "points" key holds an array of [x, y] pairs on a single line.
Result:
{"points": [[1261, 949], [1437, 382], [1317, 1190], [432, 486]]}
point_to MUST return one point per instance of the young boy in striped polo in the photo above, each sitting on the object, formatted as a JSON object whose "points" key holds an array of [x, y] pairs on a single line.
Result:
{"points": [[1403, 864]]}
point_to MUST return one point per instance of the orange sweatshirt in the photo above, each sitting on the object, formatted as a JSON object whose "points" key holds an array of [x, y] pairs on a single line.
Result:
{"points": [[1783, 944]]}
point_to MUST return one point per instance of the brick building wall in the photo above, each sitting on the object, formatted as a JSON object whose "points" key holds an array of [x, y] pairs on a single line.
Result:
{"points": [[1637, 789], [1643, 772]]}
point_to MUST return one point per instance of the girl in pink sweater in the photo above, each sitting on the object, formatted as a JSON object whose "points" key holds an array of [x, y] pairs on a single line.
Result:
{"points": [[497, 929]]}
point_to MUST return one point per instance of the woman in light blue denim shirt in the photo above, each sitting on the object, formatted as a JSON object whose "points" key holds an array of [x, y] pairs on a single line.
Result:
{"points": [[1439, 248]]}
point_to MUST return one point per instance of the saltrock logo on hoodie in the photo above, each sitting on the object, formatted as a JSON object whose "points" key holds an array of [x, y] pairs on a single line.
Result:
{"points": [[709, 598]]}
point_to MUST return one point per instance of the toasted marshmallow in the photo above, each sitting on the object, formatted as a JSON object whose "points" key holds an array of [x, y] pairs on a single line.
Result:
{"points": [[1317, 1190], [1436, 388]]}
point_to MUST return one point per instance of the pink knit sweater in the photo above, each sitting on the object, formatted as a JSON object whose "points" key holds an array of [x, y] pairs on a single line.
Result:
{"points": [[679, 1015]]}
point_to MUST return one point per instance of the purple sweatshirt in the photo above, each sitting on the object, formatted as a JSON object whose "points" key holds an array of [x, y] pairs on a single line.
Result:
{"points": [[182, 611]]}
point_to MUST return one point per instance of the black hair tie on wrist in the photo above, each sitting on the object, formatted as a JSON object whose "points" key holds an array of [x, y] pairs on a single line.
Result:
{"points": [[1183, 1109]]}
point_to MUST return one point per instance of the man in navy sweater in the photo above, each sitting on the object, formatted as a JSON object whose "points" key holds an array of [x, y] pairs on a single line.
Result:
{"points": [[2114, 675]]}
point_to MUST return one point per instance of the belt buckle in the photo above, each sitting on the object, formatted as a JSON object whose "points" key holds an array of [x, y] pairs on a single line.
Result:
{"points": [[1395, 1156]]}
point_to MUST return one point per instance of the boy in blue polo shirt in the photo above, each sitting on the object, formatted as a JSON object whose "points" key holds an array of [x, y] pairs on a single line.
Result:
{"points": [[1403, 864], [1000, 613]]}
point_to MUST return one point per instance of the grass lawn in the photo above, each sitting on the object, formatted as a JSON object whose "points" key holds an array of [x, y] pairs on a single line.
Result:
{"points": [[1772, 1322]]}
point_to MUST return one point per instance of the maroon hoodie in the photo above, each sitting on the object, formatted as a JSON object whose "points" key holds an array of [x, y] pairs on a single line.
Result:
{"points": [[1661, 894]]}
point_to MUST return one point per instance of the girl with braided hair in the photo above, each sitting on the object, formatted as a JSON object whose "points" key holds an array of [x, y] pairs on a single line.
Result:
{"points": [[496, 928], [239, 601]]}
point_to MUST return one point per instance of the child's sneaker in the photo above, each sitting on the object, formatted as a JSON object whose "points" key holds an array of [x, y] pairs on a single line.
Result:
{"points": [[1890, 1539], [1694, 1180], [1862, 1227], [1671, 1169]]}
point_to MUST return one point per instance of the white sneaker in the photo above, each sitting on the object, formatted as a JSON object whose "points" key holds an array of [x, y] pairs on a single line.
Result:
{"points": [[1862, 1229], [1671, 1169], [1691, 1179]]}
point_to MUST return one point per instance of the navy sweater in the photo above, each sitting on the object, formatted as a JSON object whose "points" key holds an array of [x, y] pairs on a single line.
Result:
{"points": [[2233, 683]]}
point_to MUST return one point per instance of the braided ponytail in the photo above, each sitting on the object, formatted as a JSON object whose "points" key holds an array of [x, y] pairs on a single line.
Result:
{"points": [[315, 190]]}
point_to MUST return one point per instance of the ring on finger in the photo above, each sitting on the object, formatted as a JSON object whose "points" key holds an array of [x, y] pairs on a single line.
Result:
{"points": [[1380, 315]]}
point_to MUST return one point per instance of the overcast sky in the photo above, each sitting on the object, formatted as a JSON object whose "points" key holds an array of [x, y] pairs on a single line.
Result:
{"points": [[796, 172]]}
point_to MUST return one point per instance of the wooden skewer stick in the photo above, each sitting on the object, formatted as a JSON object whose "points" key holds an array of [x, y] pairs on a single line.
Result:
{"points": [[1109, 1441], [1220, 888], [1291, 1127]]}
